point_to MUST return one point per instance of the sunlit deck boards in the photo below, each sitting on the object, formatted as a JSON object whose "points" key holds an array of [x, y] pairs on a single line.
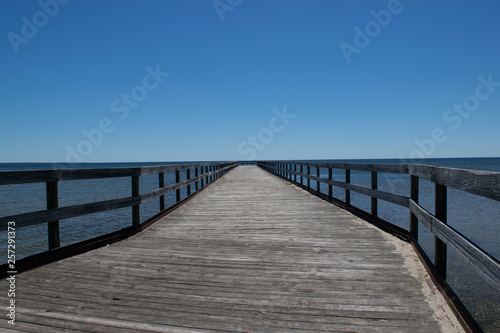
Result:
{"points": [[251, 253]]}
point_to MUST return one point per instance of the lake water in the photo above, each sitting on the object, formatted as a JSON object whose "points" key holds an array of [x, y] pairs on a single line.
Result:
{"points": [[475, 217]]}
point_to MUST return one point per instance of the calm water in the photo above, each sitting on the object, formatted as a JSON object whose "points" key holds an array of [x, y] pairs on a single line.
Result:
{"points": [[473, 216]]}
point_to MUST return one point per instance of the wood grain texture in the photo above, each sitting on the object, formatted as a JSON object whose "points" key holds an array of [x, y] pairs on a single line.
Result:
{"points": [[483, 183], [252, 253], [484, 264], [34, 176]]}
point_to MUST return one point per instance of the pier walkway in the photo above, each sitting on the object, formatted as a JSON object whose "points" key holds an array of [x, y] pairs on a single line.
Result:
{"points": [[250, 253]]}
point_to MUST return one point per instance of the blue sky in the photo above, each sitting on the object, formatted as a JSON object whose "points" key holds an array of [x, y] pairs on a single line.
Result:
{"points": [[251, 79]]}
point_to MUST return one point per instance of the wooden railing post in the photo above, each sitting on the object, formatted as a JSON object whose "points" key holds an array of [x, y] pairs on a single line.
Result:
{"points": [[414, 197], [188, 177], [308, 179], [53, 226], [308, 174], [347, 192], [177, 181], [374, 200], [330, 187], [318, 184], [301, 177], [195, 176], [161, 183], [202, 178], [136, 209], [295, 175], [441, 214]]}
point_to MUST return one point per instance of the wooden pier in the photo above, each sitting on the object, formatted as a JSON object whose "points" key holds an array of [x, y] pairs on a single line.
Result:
{"points": [[250, 253]]}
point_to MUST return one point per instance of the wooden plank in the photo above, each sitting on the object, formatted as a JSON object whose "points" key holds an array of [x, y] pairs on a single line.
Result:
{"points": [[483, 183], [36, 176], [44, 216], [484, 264]]}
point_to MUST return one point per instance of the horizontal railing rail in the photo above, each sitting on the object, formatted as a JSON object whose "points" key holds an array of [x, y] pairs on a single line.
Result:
{"points": [[481, 183], [204, 173]]}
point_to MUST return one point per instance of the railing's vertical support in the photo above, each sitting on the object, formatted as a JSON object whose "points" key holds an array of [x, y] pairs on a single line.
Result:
{"points": [[330, 187], [136, 209], [374, 200], [202, 178], [53, 226], [177, 181], [441, 214], [301, 176], [188, 177], [211, 177], [347, 192], [414, 197], [161, 184], [318, 188], [195, 176], [308, 179], [295, 175]]}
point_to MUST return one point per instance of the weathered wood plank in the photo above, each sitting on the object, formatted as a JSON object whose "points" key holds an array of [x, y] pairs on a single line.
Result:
{"points": [[35, 176], [484, 183], [487, 266]]}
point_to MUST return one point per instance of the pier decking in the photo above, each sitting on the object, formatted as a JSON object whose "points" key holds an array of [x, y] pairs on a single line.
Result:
{"points": [[251, 253]]}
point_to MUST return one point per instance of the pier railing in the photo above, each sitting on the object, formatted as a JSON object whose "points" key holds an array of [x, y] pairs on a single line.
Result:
{"points": [[481, 183], [196, 177]]}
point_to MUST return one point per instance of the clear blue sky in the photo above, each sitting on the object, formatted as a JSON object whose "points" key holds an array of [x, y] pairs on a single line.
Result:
{"points": [[68, 68]]}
